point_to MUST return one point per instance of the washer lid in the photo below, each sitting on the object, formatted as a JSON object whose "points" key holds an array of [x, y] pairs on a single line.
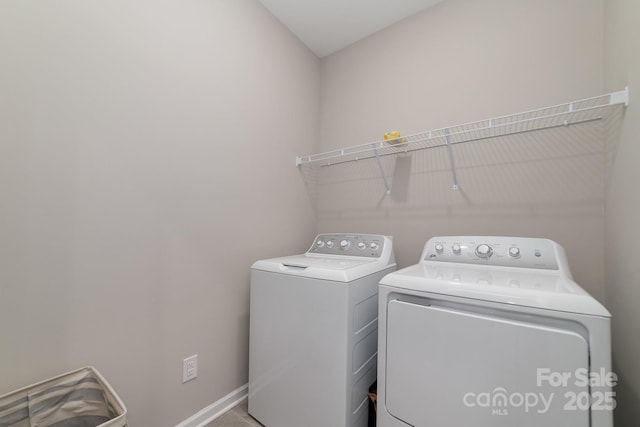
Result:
{"points": [[515, 286], [328, 267]]}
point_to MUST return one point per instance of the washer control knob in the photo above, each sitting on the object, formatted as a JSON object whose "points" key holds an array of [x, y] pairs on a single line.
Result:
{"points": [[484, 251], [345, 244], [439, 248], [373, 246], [320, 243], [514, 252], [331, 244], [456, 249], [362, 246]]}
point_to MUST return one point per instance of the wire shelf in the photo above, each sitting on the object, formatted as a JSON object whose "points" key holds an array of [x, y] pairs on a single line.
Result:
{"points": [[581, 111]]}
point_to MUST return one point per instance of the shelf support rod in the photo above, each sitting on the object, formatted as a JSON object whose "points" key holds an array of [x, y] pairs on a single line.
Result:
{"points": [[451, 159], [384, 177]]}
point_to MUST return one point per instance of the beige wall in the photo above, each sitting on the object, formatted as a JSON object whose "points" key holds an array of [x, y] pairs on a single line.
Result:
{"points": [[146, 160], [461, 61], [623, 208]]}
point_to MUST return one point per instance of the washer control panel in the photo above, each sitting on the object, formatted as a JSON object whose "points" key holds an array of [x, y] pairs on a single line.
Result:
{"points": [[364, 245], [498, 251]]}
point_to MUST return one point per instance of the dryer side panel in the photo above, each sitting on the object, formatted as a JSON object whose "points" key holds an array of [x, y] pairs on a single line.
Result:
{"points": [[447, 367]]}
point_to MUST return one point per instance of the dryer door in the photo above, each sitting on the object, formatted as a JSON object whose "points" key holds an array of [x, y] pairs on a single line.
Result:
{"points": [[452, 367]]}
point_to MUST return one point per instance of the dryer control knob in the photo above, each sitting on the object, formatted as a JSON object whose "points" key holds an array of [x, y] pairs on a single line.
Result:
{"points": [[514, 252], [456, 249], [484, 251], [330, 244], [373, 246], [345, 245], [439, 248], [362, 246], [320, 243]]}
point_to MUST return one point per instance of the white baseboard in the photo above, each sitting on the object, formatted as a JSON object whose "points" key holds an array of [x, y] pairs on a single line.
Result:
{"points": [[216, 409]]}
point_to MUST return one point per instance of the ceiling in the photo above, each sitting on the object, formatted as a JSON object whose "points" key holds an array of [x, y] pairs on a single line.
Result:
{"points": [[327, 26]]}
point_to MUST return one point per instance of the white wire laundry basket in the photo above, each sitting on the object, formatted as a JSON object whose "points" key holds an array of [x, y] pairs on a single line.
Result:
{"points": [[81, 398]]}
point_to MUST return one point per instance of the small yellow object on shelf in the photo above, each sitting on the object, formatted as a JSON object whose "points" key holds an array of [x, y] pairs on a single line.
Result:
{"points": [[394, 137]]}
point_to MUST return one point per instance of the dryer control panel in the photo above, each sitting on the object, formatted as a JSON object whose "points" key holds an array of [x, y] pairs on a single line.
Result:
{"points": [[364, 245], [496, 251]]}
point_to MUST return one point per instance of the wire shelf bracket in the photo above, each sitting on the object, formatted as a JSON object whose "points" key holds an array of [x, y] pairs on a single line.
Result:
{"points": [[580, 111], [384, 177], [451, 159]]}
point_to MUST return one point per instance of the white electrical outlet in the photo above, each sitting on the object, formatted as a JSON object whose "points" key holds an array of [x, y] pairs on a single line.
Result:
{"points": [[190, 368]]}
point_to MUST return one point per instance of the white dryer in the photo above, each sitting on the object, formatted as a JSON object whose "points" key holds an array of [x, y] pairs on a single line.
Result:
{"points": [[314, 332], [492, 332]]}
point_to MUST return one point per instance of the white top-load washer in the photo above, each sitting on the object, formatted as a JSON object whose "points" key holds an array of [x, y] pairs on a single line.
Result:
{"points": [[314, 332], [492, 331]]}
